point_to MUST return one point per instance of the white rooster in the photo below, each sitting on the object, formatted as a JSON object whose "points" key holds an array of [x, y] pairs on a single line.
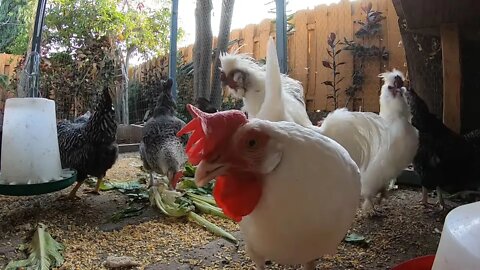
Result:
{"points": [[245, 79], [381, 145], [293, 191]]}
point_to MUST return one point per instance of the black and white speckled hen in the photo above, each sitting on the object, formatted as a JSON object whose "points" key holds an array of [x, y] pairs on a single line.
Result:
{"points": [[445, 160], [88, 144], [160, 149]]}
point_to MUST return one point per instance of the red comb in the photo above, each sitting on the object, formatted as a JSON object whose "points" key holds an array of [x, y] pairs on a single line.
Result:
{"points": [[208, 129]]}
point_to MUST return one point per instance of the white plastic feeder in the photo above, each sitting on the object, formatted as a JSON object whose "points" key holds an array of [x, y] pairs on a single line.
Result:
{"points": [[30, 153], [459, 247]]}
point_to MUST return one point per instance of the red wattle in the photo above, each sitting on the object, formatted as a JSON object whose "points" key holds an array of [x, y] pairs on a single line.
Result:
{"points": [[238, 194]]}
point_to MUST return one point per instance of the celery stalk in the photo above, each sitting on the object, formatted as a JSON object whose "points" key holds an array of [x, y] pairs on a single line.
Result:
{"points": [[211, 227]]}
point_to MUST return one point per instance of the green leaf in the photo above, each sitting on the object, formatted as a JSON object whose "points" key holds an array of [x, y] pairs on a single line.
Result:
{"points": [[189, 170], [125, 186], [45, 252], [126, 213], [357, 239], [165, 200]]}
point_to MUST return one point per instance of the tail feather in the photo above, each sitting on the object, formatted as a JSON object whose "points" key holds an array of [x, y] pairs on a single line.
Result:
{"points": [[107, 98], [361, 134], [273, 107]]}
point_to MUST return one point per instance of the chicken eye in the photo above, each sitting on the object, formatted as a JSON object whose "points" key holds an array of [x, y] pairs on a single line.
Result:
{"points": [[390, 87], [252, 143]]}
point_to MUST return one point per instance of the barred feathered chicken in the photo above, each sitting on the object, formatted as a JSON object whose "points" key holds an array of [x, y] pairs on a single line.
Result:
{"points": [[246, 79], [205, 105], [160, 149], [88, 144], [445, 160]]}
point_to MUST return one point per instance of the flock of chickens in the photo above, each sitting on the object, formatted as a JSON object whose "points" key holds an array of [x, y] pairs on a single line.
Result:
{"points": [[270, 154]]}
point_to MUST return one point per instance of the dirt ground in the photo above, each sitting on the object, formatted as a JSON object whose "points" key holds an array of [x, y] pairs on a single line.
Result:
{"points": [[86, 228]]}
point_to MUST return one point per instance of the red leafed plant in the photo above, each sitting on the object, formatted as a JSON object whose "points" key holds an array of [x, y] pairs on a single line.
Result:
{"points": [[333, 65]]}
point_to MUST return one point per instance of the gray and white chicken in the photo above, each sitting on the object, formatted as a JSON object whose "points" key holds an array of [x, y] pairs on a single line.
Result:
{"points": [[88, 144], [160, 149]]}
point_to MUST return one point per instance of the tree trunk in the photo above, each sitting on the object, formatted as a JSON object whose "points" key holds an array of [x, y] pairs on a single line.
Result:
{"points": [[202, 58], [223, 38], [424, 59]]}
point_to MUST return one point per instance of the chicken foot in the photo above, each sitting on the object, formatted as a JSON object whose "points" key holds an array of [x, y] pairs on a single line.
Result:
{"points": [[97, 187], [368, 208], [441, 201], [424, 199]]}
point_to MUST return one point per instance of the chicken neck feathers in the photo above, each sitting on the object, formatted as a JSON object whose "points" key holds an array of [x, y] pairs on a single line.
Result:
{"points": [[307, 231]]}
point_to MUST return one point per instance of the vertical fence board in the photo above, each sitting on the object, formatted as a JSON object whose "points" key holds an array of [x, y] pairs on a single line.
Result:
{"points": [[248, 38], [307, 49], [311, 61], [321, 33], [301, 48]]}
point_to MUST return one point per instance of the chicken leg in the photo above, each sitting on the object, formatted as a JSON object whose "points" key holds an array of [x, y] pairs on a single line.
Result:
{"points": [[257, 260], [73, 193], [441, 201], [96, 191], [424, 199]]}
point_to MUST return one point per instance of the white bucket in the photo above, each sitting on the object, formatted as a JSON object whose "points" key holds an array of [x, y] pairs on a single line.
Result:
{"points": [[459, 247], [30, 153]]}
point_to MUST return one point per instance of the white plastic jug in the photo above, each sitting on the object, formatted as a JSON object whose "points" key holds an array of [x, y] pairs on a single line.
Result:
{"points": [[459, 247], [30, 153]]}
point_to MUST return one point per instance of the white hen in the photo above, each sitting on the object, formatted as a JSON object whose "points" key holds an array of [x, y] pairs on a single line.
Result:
{"points": [[247, 80], [276, 179], [290, 211]]}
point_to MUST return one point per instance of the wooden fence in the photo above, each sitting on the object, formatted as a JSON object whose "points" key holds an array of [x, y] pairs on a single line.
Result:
{"points": [[307, 48], [8, 62]]}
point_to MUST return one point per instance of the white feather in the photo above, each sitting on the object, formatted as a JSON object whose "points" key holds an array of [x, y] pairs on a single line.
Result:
{"points": [[306, 207], [274, 108], [254, 88]]}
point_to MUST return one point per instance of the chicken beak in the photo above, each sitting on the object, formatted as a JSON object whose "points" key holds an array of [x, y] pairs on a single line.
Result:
{"points": [[206, 172], [175, 178]]}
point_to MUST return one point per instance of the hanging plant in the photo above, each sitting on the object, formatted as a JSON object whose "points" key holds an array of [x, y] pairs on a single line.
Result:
{"points": [[370, 27], [333, 65]]}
